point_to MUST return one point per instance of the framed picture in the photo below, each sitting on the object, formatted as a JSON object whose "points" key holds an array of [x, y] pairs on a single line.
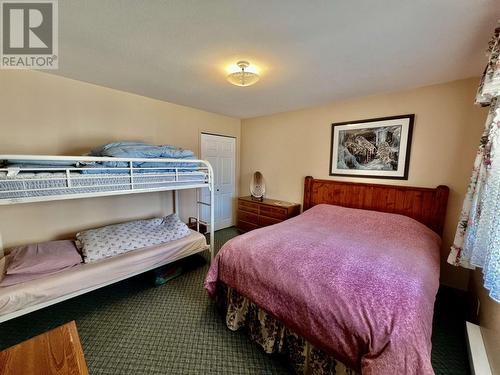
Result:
{"points": [[378, 147]]}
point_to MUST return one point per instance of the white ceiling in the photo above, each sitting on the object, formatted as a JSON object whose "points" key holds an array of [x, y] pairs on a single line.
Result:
{"points": [[310, 52]]}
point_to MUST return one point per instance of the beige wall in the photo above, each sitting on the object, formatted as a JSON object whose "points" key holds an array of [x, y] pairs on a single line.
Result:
{"points": [[289, 146], [47, 114]]}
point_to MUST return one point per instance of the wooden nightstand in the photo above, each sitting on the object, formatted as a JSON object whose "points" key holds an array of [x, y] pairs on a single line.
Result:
{"points": [[253, 214]]}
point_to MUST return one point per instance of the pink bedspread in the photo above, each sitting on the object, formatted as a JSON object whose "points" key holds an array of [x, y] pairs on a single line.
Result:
{"points": [[358, 284]]}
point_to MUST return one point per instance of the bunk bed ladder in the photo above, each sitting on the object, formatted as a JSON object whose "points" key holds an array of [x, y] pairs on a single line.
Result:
{"points": [[199, 204]]}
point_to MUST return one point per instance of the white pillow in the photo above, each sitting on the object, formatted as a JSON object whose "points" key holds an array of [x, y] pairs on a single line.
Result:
{"points": [[96, 244]]}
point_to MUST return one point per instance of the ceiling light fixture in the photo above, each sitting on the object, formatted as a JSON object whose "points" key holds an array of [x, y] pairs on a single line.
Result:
{"points": [[241, 75]]}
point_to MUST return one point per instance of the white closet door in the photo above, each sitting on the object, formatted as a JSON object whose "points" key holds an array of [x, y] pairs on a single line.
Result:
{"points": [[220, 151]]}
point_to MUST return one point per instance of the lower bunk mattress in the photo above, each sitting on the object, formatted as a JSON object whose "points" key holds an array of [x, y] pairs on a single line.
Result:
{"points": [[35, 294]]}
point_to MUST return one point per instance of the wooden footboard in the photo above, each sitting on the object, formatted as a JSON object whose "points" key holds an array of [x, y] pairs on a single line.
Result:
{"points": [[426, 205]]}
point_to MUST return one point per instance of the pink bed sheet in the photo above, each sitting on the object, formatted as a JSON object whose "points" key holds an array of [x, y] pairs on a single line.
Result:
{"points": [[358, 284]]}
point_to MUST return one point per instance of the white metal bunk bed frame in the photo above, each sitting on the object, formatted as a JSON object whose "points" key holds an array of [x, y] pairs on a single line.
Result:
{"points": [[131, 187]]}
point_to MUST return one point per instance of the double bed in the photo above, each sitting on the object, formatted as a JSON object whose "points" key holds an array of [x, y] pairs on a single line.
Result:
{"points": [[346, 287]]}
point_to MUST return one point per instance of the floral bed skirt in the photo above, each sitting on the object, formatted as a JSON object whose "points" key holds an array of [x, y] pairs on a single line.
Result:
{"points": [[274, 337]]}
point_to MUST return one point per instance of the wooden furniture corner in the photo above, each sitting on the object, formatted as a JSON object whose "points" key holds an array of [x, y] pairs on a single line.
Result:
{"points": [[54, 352]]}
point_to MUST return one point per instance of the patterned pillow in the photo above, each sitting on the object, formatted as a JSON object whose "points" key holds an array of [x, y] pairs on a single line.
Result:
{"points": [[96, 244]]}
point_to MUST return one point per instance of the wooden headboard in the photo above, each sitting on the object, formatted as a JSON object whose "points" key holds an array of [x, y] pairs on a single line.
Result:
{"points": [[425, 205]]}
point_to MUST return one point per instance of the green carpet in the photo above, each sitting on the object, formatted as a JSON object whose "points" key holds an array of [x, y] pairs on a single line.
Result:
{"points": [[134, 328]]}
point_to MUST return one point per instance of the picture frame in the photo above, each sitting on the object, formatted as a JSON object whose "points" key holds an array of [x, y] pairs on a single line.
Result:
{"points": [[372, 148]]}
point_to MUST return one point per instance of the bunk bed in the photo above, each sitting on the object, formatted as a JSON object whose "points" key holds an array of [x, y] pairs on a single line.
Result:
{"points": [[38, 178]]}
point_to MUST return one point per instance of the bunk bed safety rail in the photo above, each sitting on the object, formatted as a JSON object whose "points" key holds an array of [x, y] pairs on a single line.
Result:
{"points": [[29, 180]]}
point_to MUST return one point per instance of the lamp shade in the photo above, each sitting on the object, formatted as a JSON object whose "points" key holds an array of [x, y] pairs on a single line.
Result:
{"points": [[242, 77]]}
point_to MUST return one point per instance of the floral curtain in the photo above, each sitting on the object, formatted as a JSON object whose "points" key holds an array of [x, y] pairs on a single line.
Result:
{"points": [[477, 239]]}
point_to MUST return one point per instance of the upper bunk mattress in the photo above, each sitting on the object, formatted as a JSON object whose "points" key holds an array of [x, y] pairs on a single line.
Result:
{"points": [[86, 277], [42, 184]]}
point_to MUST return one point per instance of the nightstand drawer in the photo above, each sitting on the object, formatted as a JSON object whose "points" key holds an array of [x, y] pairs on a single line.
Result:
{"points": [[276, 212], [248, 217], [244, 226], [248, 206], [265, 221], [253, 214]]}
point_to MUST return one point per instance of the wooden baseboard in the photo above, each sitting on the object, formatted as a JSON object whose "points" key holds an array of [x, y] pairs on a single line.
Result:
{"points": [[478, 358]]}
